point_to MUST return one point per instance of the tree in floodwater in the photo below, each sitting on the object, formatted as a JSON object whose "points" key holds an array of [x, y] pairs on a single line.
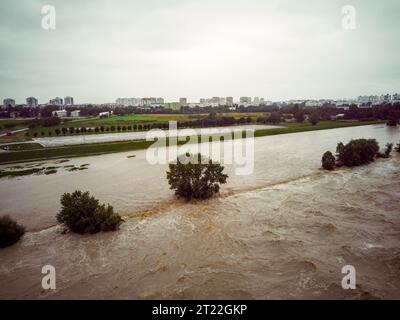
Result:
{"points": [[195, 177], [10, 231], [328, 161], [357, 152], [82, 213], [393, 119], [388, 150]]}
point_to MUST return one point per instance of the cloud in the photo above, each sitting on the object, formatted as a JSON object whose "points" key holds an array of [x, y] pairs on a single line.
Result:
{"points": [[102, 50]]}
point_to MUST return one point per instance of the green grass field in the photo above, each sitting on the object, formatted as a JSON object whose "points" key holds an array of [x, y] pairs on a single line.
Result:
{"points": [[104, 148]]}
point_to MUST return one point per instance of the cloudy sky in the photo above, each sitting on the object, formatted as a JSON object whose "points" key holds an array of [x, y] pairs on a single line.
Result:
{"points": [[277, 49]]}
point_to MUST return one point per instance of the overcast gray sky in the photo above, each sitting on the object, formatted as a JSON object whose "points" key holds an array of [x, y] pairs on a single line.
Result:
{"points": [[277, 49]]}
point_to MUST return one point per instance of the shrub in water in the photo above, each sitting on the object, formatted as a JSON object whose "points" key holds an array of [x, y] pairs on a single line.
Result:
{"points": [[328, 161], [10, 231], [357, 152], [388, 150], [194, 176], [82, 213]]}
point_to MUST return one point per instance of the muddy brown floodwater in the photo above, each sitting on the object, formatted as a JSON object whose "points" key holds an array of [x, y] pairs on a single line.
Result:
{"points": [[285, 231]]}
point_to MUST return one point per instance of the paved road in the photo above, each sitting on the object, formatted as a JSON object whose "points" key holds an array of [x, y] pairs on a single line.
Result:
{"points": [[14, 131]]}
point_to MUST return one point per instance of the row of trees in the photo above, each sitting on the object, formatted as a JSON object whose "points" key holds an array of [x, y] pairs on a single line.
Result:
{"points": [[199, 123], [300, 116], [385, 111]]}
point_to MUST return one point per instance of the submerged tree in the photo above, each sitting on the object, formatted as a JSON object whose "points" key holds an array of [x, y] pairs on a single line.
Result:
{"points": [[357, 152], [82, 213], [10, 231], [194, 176], [328, 161], [388, 150]]}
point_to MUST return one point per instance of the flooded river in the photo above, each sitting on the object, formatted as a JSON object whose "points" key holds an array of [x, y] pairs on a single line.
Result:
{"points": [[284, 231]]}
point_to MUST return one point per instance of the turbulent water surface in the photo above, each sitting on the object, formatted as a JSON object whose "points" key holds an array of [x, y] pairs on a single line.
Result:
{"points": [[284, 231]]}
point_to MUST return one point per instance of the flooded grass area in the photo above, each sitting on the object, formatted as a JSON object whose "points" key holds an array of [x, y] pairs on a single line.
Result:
{"points": [[39, 169]]}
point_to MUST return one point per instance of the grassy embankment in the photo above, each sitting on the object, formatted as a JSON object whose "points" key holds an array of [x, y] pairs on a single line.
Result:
{"points": [[104, 148]]}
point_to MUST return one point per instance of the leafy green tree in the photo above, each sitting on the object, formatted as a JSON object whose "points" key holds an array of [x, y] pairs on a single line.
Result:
{"points": [[398, 147], [112, 128], [299, 116], [357, 152], [195, 177], [82, 213], [71, 130], [328, 161], [388, 151], [102, 128], [275, 117], [393, 119], [35, 134], [57, 131], [64, 130], [10, 231], [96, 129], [314, 118]]}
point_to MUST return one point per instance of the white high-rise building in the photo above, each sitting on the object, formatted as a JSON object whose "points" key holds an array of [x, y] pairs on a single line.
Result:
{"points": [[128, 102], [245, 100], [56, 101], [69, 101], [183, 101], [31, 102], [8, 103]]}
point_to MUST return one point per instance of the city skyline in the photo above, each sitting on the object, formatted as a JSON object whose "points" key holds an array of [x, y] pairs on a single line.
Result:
{"points": [[142, 101], [280, 50]]}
